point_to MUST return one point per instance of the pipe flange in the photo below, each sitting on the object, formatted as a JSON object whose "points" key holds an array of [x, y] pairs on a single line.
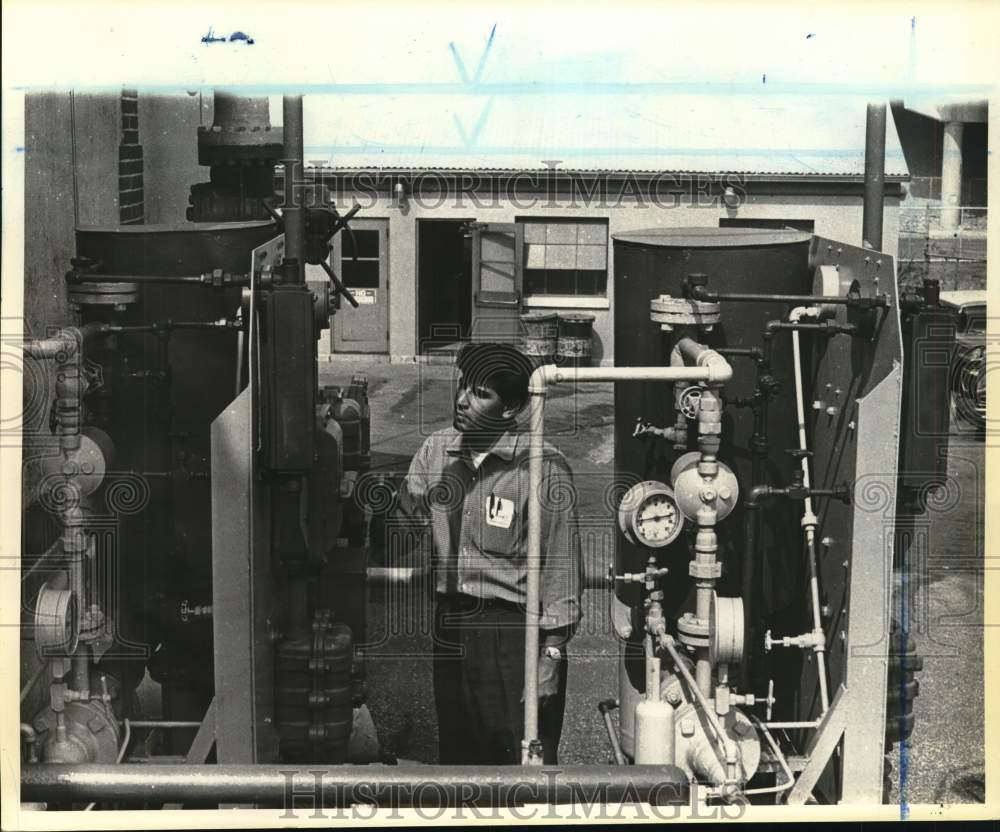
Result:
{"points": [[692, 631], [56, 632], [668, 312], [725, 630], [107, 293]]}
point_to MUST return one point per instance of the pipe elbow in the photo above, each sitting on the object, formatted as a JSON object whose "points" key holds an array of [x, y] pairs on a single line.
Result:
{"points": [[757, 495], [539, 379], [719, 369], [800, 312]]}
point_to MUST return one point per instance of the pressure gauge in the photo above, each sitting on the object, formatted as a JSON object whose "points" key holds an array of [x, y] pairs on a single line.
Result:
{"points": [[648, 515]]}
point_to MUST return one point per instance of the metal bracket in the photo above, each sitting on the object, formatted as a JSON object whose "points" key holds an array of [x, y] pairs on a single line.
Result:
{"points": [[821, 747]]}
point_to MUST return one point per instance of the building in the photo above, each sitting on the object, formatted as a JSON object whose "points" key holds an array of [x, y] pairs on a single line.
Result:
{"points": [[546, 180]]}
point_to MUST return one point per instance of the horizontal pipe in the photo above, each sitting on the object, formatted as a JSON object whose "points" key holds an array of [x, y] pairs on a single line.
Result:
{"points": [[164, 723], [554, 375], [62, 344], [411, 785], [699, 293]]}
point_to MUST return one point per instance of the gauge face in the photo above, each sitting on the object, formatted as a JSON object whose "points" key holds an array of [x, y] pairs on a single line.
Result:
{"points": [[649, 515], [657, 520]]}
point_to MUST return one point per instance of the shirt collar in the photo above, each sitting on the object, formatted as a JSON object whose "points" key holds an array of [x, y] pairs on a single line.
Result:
{"points": [[505, 446]]}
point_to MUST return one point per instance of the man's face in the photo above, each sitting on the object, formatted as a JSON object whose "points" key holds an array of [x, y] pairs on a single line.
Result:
{"points": [[478, 407]]}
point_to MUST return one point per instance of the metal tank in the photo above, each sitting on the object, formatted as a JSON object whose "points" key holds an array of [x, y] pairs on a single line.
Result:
{"points": [[657, 262]]}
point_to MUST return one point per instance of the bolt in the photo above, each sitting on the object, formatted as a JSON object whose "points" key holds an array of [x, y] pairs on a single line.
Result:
{"points": [[673, 697], [825, 610], [707, 494], [827, 542], [817, 405], [843, 636], [626, 631], [832, 411], [724, 492], [852, 425], [687, 728]]}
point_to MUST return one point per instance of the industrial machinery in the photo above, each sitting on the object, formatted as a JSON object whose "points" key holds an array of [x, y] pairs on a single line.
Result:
{"points": [[771, 445]]}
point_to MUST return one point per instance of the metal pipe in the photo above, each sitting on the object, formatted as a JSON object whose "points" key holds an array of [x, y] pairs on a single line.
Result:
{"points": [[874, 200], [712, 368], [26, 690], [793, 724], [809, 520], [409, 785], [30, 741], [293, 212], [606, 707], [164, 723], [703, 294], [729, 748]]}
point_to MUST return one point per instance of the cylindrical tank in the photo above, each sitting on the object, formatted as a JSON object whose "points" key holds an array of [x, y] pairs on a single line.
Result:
{"points": [[541, 332], [657, 262], [576, 331]]}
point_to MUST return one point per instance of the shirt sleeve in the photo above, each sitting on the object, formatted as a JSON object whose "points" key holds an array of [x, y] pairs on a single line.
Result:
{"points": [[562, 564], [408, 534]]}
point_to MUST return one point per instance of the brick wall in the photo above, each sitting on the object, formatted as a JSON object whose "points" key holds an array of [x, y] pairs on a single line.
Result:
{"points": [[131, 203]]}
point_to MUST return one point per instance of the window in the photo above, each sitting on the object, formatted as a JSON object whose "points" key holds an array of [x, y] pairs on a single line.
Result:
{"points": [[363, 272], [779, 225], [565, 257]]}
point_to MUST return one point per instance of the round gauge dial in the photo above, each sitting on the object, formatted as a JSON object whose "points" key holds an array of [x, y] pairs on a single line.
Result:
{"points": [[648, 515]]}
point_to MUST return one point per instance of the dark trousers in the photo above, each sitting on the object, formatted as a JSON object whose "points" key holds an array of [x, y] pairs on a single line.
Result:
{"points": [[478, 684]]}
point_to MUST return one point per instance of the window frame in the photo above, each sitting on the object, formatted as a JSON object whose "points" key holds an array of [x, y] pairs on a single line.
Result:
{"points": [[597, 299]]}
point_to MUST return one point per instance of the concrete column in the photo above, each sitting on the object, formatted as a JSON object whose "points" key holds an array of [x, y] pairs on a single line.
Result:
{"points": [[951, 175]]}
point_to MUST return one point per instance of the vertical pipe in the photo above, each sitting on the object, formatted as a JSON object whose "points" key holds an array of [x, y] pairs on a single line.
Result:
{"points": [[951, 175], [536, 419], [874, 177], [293, 213], [809, 520]]}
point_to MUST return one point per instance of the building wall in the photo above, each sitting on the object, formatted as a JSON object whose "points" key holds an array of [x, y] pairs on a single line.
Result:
{"points": [[168, 128], [71, 146], [837, 217]]}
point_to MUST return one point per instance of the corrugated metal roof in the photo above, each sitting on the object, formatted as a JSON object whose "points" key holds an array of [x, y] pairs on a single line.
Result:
{"points": [[764, 134]]}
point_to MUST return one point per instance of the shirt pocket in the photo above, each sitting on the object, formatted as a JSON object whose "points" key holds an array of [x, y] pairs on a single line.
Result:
{"points": [[500, 526]]}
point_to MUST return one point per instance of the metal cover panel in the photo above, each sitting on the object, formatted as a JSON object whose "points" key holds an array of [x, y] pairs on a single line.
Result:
{"points": [[870, 588], [710, 237], [241, 603]]}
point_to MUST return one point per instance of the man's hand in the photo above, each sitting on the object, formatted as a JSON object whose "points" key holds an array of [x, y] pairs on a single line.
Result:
{"points": [[548, 676]]}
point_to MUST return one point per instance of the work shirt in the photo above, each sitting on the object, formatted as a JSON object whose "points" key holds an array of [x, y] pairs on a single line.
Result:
{"points": [[476, 507]]}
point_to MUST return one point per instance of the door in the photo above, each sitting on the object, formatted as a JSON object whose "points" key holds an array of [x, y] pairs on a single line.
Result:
{"points": [[497, 268], [361, 261]]}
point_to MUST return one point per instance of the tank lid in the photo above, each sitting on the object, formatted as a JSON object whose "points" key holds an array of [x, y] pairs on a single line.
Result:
{"points": [[710, 237]]}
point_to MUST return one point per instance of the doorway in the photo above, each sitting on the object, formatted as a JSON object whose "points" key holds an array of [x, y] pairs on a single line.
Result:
{"points": [[361, 259], [444, 283]]}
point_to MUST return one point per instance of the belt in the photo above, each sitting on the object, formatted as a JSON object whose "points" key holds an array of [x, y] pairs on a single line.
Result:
{"points": [[472, 602]]}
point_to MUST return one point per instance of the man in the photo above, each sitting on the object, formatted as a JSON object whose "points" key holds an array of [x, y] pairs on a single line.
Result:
{"points": [[469, 483]]}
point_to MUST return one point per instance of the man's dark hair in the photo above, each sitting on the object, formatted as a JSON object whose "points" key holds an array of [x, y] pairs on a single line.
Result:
{"points": [[501, 367]]}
